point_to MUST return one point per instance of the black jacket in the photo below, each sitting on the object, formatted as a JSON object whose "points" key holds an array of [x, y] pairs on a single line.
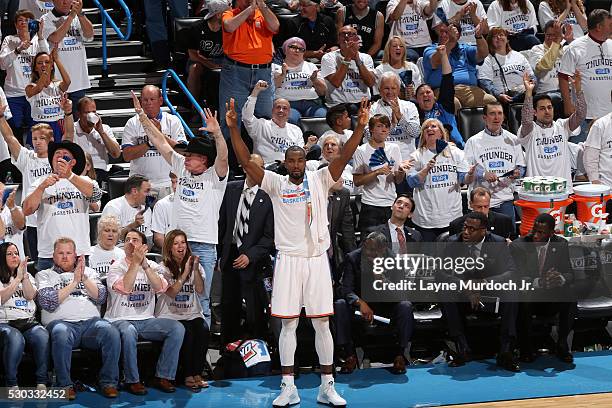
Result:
{"points": [[499, 224], [341, 228], [323, 32]]}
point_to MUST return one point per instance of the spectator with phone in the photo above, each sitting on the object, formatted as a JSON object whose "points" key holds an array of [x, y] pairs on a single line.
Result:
{"points": [[12, 220], [132, 209], [44, 93], [298, 82], [15, 56], [394, 60]]}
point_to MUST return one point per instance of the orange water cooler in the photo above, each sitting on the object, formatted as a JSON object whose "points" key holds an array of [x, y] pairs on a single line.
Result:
{"points": [[591, 201], [533, 205]]}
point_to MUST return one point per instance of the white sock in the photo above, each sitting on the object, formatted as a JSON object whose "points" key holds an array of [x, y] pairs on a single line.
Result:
{"points": [[288, 379], [326, 378]]}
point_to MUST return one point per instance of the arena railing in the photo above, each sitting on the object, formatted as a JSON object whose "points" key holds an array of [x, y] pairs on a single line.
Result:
{"points": [[107, 19], [192, 100]]}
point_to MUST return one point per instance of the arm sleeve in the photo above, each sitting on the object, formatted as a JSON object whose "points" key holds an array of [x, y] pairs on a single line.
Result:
{"points": [[253, 125]]}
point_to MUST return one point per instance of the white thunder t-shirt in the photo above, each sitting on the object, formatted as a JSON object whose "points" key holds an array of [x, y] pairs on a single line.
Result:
{"points": [[292, 235], [78, 306], [71, 50], [594, 61], [514, 65], [17, 306], [297, 85], [438, 201], [100, 260], [162, 220], [353, 88], [139, 304], [412, 25], [467, 25], [19, 67], [93, 144], [197, 201], [63, 212], [125, 213], [185, 305], [11, 233], [37, 7], [152, 164], [380, 193], [545, 14], [45, 105], [514, 21], [32, 169], [547, 151], [496, 154], [600, 138]]}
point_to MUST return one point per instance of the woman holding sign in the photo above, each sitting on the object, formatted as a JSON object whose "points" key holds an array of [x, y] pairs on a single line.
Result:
{"points": [[439, 169], [180, 302], [18, 325]]}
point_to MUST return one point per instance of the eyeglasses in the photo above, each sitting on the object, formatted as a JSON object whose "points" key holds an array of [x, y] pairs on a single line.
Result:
{"points": [[499, 35], [297, 48]]}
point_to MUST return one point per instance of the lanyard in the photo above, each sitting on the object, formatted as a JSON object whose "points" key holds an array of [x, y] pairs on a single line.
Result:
{"points": [[308, 199]]}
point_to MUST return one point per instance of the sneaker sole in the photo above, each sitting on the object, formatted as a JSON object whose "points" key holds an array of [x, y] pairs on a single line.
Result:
{"points": [[329, 404], [288, 405]]}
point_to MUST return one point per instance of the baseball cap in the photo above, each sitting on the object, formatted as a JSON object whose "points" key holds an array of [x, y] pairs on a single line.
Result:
{"points": [[214, 7]]}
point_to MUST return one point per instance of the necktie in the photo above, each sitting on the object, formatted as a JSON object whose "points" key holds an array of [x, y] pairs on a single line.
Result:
{"points": [[243, 221], [541, 260], [401, 239]]}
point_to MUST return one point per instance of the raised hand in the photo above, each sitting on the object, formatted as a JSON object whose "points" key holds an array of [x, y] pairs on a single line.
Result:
{"points": [[364, 113], [259, 86], [10, 201], [231, 116], [482, 28], [136, 103], [65, 103], [63, 169], [528, 83], [568, 33], [21, 270], [314, 75], [212, 125]]}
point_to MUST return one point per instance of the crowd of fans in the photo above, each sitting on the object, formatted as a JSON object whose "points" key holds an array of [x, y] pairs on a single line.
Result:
{"points": [[417, 61]]}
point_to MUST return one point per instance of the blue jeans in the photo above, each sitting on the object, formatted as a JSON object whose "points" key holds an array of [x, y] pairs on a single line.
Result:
{"points": [[95, 334], [156, 26], [208, 258], [169, 331], [13, 344], [306, 108], [237, 82], [22, 115], [506, 208], [44, 263]]}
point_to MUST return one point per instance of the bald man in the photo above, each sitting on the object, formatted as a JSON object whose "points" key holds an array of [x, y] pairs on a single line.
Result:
{"points": [[246, 231], [144, 158]]}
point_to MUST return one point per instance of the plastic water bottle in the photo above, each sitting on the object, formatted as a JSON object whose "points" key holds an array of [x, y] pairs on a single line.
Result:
{"points": [[9, 178]]}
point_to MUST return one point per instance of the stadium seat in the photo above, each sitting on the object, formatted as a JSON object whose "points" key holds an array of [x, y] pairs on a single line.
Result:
{"points": [[316, 125], [514, 117], [182, 27], [93, 227], [443, 237], [470, 121], [116, 186]]}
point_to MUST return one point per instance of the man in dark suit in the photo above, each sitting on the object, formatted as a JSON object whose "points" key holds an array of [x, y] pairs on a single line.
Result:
{"points": [[341, 227], [246, 237], [543, 260], [497, 266], [498, 223], [402, 318], [399, 235]]}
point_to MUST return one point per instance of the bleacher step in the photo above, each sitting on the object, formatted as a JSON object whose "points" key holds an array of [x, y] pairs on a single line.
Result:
{"points": [[130, 64], [116, 48]]}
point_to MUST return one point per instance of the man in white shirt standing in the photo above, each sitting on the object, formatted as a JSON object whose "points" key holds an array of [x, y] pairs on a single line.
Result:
{"points": [[131, 208], [67, 29], [592, 56], [137, 148], [498, 154], [349, 74], [546, 142], [270, 137], [301, 275], [61, 202], [598, 151], [95, 138], [404, 116], [202, 176]]}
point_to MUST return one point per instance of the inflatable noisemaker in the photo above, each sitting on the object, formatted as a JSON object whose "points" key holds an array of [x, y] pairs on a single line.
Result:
{"points": [[441, 145], [379, 158]]}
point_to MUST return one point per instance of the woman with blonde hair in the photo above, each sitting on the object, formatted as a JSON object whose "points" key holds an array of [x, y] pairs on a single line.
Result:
{"points": [[183, 273], [571, 12], [394, 59], [438, 169]]}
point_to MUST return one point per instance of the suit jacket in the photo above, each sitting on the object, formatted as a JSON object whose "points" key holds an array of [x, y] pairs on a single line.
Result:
{"points": [[498, 263], [411, 235], [258, 244], [499, 224], [557, 256], [341, 228]]}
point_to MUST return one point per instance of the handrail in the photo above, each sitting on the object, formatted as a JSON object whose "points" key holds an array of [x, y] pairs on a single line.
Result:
{"points": [[106, 17], [168, 73]]}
